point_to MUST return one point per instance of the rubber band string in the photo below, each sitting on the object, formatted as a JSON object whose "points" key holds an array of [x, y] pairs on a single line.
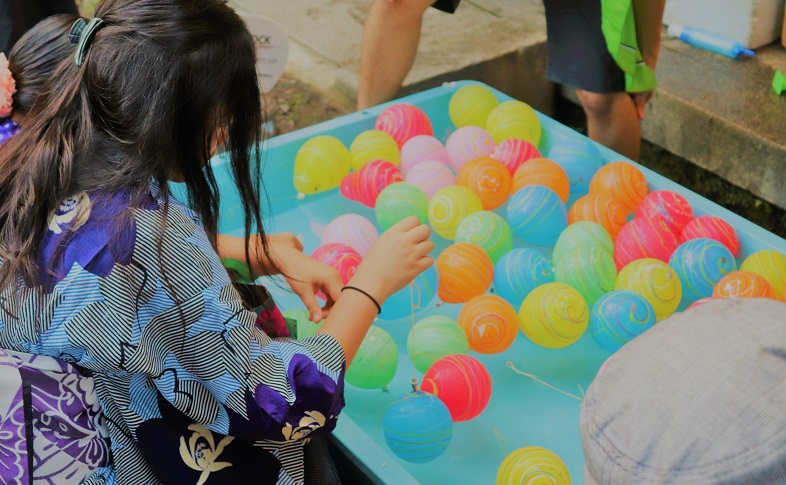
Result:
{"points": [[414, 306], [535, 378]]}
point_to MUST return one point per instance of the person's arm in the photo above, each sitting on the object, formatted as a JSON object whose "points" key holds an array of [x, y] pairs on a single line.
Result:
{"points": [[234, 248], [649, 25]]}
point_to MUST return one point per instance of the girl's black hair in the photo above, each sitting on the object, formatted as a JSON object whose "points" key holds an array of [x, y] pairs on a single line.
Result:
{"points": [[35, 56], [159, 78]]}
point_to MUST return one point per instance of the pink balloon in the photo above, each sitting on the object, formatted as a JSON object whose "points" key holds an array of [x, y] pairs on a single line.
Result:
{"points": [[430, 176], [468, 143], [513, 152], [353, 230], [403, 121], [421, 148]]}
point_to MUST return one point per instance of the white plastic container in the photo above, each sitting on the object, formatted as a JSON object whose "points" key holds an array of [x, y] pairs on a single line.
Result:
{"points": [[752, 23]]}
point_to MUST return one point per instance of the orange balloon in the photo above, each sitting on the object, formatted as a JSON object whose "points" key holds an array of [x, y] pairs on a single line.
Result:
{"points": [[465, 271], [488, 178], [599, 208], [743, 284], [623, 181], [490, 323], [542, 171]]}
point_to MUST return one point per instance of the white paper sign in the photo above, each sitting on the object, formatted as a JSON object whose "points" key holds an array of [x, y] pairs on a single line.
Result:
{"points": [[272, 48]]}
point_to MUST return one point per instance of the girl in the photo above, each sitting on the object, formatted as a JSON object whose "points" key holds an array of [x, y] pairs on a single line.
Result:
{"points": [[29, 65], [104, 269]]}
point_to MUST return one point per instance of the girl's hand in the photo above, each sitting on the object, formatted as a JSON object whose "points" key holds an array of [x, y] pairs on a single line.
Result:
{"points": [[307, 277], [396, 258]]}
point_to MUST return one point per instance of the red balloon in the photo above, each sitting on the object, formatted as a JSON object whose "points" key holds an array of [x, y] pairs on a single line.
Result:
{"points": [[644, 238], [671, 206], [462, 383], [712, 227]]}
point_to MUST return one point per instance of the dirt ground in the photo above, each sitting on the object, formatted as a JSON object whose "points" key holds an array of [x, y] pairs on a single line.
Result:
{"points": [[292, 105]]}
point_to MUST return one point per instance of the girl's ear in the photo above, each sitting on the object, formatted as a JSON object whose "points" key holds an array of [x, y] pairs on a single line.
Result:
{"points": [[219, 139]]}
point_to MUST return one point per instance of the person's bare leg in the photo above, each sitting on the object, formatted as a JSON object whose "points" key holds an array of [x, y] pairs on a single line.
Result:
{"points": [[613, 121], [390, 41]]}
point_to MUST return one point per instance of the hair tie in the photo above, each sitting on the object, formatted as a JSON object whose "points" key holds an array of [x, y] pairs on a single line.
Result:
{"points": [[82, 34], [7, 88]]}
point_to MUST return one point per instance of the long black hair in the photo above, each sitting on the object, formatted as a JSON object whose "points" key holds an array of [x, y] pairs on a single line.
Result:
{"points": [[35, 56], [159, 78]]}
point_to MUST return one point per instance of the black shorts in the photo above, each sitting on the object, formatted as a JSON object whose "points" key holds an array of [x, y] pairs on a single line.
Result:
{"points": [[578, 56]]}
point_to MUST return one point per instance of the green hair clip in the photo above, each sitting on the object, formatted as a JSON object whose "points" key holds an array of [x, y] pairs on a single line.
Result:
{"points": [[82, 33]]}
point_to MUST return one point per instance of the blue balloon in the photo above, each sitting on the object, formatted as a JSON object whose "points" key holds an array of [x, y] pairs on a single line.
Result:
{"points": [[700, 264], [580, 159], [418, 427], [399, 305], [537, 215], [620, 316], [520, 271]]}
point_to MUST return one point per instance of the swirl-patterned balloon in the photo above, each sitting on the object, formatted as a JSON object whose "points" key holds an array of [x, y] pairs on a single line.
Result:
{"points": [[403, 121], [542, 171], [418, 427], [430, 176], [601, 209], [519, 272], [490, 324], [582, 234], [471, 105], [743, 284], [353, 230], [421, 148], [398, 201], [588, 269], [339, 256], [580, 159], [462, 383], [644, 238], [488, 178], [654, 280], [554, 315], [712, 227], [365, 185], [673, 208], [618, 317], [465, 271], [468, 143], [514, 119], [449, 207], [513, 152], [375, 362], [623, 181], [701, 302], [537, 215], [373, 145], [700, 264], [320, 164], [533, 465], [487, 230], [413, 298], [771, 265], [435, 337]]}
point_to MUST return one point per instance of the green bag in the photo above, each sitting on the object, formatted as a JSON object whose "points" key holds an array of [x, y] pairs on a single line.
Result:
{"points": [[619, 29]]}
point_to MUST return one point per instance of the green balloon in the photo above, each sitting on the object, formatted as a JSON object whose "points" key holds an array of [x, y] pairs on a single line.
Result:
{"points": [[579, 235], [398, 201], [375, 362], [590, 270], [435, 337], [489, 231], [304, 328]]}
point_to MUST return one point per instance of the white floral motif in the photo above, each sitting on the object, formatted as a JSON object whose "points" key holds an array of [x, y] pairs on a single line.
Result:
{"points": [[201, 452], [313, 420], [74, 209]]}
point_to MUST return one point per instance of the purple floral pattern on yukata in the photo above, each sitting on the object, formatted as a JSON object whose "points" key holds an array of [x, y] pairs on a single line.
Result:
{"points": [[48, 401], [8, 128]]}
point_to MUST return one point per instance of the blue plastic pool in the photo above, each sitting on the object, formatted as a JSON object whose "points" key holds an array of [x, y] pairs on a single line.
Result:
{"points": [[522, 412]]}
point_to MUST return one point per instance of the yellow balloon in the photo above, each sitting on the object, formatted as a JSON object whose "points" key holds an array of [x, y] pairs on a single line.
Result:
{"points": [[554, 315], [654, 280], [373, 145], [471, 105], [320, 165], [533, 465], [770, 265], [449, 206], [514, 119]]}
